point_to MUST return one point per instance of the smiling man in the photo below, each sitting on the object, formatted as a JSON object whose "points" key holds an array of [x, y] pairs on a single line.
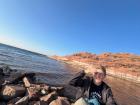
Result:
{"points": [[92, 89]]}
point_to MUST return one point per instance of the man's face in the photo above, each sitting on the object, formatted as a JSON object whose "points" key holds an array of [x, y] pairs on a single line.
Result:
{"points": [[98, 76]]}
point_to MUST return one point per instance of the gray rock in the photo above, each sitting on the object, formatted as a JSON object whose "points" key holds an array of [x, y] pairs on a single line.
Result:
{"points": [[13, 101], [26, 82], [60, 101], [35, 103], [10, 91], [23, 101], [48, 98]]}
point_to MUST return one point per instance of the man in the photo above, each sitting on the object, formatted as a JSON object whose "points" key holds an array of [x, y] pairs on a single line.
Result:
{"points": [[92, 89]]}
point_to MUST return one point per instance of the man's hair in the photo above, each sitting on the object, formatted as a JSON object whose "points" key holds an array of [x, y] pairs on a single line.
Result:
{"points": [[102, 68]]}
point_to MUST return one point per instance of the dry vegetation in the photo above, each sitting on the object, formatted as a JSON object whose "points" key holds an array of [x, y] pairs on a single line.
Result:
{"points": [[119, 62]]}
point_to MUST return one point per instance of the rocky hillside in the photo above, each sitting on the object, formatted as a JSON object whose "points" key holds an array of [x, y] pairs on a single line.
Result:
{"points": [[114, 62]]}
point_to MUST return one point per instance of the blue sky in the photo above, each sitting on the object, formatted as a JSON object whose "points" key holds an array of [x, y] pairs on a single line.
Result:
{"points": [[67, 26]]}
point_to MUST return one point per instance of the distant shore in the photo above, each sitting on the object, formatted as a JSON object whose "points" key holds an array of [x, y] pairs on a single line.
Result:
{"points": [[110, 71]]}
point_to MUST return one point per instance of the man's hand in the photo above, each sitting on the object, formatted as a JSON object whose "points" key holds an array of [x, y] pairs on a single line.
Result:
{"points": [[87, 71]]}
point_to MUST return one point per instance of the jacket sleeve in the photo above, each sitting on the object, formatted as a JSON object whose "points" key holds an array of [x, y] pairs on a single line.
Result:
{"points": [[77, 81], [110, 98]]}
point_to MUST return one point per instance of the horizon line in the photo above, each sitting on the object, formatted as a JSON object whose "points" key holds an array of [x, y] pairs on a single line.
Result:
{"points": [[36, 52]]}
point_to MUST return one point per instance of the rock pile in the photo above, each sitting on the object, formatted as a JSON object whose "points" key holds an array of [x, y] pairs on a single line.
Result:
{"points": [[23, 90]]}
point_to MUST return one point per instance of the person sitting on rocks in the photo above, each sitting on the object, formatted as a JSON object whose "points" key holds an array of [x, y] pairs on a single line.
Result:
{"points": [[92, 89]]}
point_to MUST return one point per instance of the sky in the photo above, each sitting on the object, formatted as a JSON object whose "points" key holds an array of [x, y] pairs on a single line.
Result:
{"points": [[63, 27]]}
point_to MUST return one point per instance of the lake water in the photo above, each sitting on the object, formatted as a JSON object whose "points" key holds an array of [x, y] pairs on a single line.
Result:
{"points": [[55, 72]]}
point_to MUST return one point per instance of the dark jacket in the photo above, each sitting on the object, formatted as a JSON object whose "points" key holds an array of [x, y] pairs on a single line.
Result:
{"points": [[84, 82]]}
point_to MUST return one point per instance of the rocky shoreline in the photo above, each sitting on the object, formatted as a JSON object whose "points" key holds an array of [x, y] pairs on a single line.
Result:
{"points": [[110, 71], [21, 88]]}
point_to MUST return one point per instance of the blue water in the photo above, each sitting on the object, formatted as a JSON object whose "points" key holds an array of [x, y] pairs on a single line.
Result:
{"points": [[29, 61]]}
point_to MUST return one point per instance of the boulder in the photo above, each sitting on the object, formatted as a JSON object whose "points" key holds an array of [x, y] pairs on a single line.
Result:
{"points": [[26, 82], [13, 101], [56, 88], [35, 103], [60, 101], [11, 91], [19, 77], [1, 76], [48, 98], [19, 101], [69, 92], [45, 89], [6, 70], [1, 72], [22, 101], [34, 92]]}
